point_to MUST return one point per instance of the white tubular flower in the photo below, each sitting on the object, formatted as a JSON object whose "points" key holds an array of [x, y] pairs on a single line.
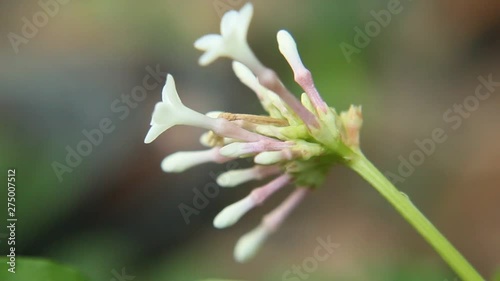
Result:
{"points": [[232, 42], [302, 75], [183, 160], [232, 213], [171, 111], [237, 177], [249, 244]]}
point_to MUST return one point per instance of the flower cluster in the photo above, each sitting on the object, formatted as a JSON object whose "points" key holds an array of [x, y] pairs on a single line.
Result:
{"points": [[296, 143]]}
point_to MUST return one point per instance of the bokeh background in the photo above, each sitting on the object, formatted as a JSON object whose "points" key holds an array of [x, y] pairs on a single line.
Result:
{"points": [[117, 209]]}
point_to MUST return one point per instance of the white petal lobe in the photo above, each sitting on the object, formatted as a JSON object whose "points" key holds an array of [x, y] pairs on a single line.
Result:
{"points": [[249, 244], [232, 213], [154, 132], [207, 41]]}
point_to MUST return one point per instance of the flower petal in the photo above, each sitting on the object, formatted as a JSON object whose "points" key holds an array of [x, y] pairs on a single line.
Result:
{"points": [[209, 56], [169, 93], [162, 115], [207, 42], [154, 132], [228, 23], [245, 18]]}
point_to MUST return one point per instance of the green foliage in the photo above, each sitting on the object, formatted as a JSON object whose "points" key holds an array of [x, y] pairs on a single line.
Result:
{"points": [[33, 269], [218, 280]]}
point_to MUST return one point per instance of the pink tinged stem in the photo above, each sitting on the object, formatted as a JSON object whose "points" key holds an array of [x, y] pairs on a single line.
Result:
{"points": [[259, 195], [274, 219], [304, 78], [269, 79]]}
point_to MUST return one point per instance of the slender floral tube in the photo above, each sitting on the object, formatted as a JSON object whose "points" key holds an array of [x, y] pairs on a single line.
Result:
{"points": [[302, 75], [183, 160]]}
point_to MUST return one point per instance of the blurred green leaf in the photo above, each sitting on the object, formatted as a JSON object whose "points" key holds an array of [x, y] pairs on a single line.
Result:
{"points": [[32, 269], [219, 280], [496, 277]]}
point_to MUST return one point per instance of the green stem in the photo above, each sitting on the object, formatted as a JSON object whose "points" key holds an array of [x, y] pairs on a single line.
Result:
{"points": [[406, 208]]}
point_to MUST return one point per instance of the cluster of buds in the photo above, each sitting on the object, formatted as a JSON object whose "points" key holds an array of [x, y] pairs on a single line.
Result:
{"points": [[296, 143]]}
